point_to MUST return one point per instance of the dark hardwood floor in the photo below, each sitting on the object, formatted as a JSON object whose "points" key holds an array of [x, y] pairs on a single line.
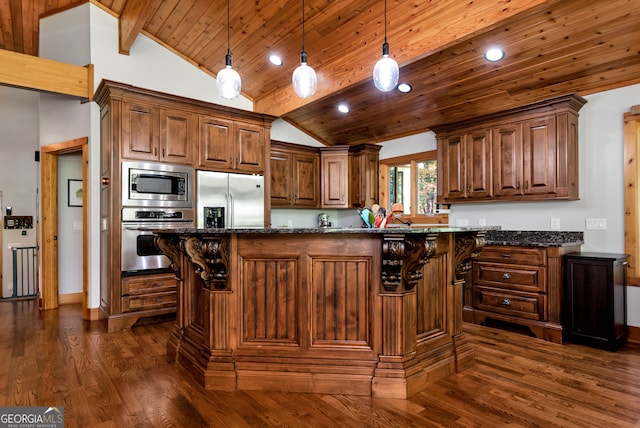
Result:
{"points": [[123, 380]]}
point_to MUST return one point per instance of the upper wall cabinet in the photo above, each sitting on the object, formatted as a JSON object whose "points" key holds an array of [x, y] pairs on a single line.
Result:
{"points": [[529, 153], [157, 134], [350, 176], [231, 145], [295, 176]]}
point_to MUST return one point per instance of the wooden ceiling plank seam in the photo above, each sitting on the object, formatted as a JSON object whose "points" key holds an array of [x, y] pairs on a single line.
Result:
{"points": [[199, 32], [5, 21], [159, 18], [132, 20], [16, 25], [188, 24], [174, 19]]}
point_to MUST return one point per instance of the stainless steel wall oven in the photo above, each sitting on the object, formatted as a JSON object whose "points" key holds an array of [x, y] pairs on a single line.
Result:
{"points": [[139, 253]]}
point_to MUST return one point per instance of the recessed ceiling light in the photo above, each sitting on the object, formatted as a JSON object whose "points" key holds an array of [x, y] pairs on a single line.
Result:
{"points": [[343, 108], [405, 87], [275, 60], [494, 54]]}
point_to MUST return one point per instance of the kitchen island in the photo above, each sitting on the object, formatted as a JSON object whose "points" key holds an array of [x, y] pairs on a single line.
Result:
{"points": [[332, 310]]}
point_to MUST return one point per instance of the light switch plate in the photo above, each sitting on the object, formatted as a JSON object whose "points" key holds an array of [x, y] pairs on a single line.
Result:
{"points": [[596, 223]]}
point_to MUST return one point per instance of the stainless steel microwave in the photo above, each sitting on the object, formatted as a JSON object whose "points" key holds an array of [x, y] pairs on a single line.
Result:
{"points": [[154, 184]]}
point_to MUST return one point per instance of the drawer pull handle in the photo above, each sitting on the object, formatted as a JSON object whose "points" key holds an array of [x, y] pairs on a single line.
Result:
{"points": [[506, 276], [159, 299], [506, 302], [505, 256]]}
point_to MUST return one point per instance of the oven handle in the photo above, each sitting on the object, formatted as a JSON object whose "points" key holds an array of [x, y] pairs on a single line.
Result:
{"points": [[157, 226]]}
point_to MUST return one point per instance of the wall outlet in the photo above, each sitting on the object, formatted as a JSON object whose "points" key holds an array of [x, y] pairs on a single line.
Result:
{"points": [[555, 223], [596, 223], [482, 222]]}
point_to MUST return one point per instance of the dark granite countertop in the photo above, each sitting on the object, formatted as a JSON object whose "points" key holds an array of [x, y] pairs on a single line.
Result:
{"points": [[323, 230], [532, 238]]}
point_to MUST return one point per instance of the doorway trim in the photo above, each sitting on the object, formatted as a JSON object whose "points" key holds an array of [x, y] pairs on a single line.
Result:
{"points": [[632, 194], [49, 227]]}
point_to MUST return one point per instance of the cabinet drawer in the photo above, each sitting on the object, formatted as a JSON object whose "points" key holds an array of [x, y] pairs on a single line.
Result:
{"points": [[513, 254], [149, 301], [522, 305], [509, 276], [148, 284]]}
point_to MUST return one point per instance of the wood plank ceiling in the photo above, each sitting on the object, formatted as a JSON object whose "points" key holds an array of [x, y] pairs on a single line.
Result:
{"points": [[553, 47]]}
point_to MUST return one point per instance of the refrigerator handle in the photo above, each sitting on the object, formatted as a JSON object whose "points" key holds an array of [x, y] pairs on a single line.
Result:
{"points": [[230, 209]]}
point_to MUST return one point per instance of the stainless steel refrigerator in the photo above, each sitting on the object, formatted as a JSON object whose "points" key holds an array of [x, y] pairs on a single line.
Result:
{"points": [[229, 200]]}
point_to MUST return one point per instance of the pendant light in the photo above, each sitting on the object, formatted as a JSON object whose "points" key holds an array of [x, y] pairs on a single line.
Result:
{"points": [[228, 80], [386, 72], [304, 78]]}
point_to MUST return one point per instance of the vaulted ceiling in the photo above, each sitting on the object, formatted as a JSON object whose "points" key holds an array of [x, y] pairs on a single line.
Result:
{"points": [[553, 47]]}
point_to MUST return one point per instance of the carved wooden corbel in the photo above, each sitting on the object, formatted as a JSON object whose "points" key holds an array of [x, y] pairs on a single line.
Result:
{"points": [[467, 247], [170, 247], [403, 257], [211, 257]]}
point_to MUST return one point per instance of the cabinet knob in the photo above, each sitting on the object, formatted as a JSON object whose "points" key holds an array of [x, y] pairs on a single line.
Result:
{"points": [[506, 302], [505, 255], [506, 275]]}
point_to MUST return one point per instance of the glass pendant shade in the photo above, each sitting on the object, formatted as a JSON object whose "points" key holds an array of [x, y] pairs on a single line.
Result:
{"points": [[305, 81], [228, 81], [386, 72]]}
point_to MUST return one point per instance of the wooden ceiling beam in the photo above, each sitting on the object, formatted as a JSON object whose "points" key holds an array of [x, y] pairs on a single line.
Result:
{"points": [[471, 19], [132, 19], [30, 72]]}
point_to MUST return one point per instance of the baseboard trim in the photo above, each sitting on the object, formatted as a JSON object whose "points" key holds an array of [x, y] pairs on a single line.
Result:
{"points": [[633, 334], [69, 299]]}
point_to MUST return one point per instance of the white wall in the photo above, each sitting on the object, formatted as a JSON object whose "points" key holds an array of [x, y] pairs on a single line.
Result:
{"points": [[19, 172], [69, 227]]}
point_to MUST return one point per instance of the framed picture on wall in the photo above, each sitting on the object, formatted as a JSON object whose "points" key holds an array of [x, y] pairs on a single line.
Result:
{"points": [[74, 193]]}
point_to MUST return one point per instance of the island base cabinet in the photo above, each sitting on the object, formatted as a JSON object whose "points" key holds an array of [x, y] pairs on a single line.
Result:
{"points": [[287, 312], [595, 299]]}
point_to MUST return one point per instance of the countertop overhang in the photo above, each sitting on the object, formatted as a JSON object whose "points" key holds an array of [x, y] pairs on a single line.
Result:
{"points": [[323, 230]]}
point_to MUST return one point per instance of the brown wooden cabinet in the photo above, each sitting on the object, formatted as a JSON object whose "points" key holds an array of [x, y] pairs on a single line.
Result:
{"points": [[151, 133], [529, 153], [349, 176], [596, 299], [228, 145], [519, 285], [364, 175], [465, 170], [149, 293], [295, 175], [145, 125]]}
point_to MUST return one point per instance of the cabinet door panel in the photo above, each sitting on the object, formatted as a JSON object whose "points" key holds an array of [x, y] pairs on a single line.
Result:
{"points": [[454, 155], [335, 185], [539, 156], [281, 186], [479, 164], [250, 148], [215, 144], [507, 160], [140, 128], [306, 180], [177, 139]]}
